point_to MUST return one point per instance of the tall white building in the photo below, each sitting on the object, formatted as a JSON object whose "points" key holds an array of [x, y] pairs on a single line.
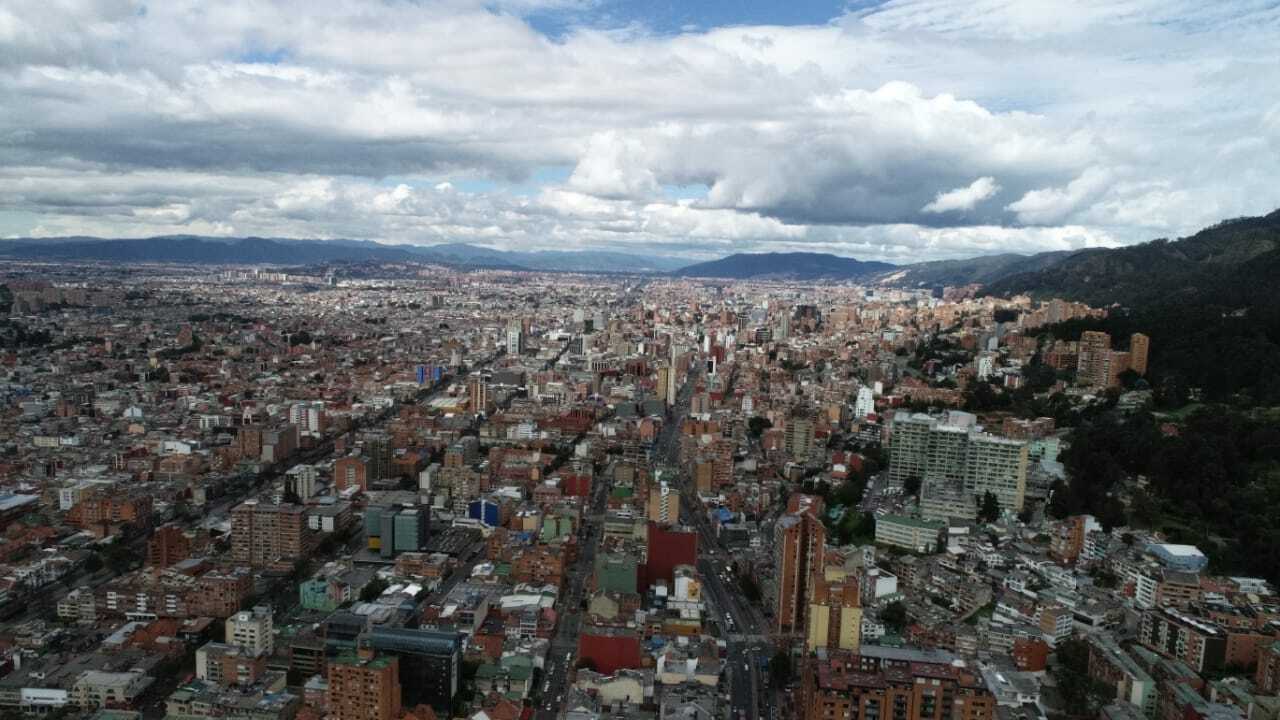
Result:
{"points": [[252, 630], [865, 404]]}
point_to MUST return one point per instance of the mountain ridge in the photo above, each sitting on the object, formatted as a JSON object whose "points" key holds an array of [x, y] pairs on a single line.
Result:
{"points": [[785, 266]]}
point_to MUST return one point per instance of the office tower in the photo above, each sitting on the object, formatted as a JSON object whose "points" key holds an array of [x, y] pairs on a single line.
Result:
{"points": [[376, 448], [1091, 365], [477, 393], [1139, 346], [835, 611], [393, 529], [798, 437], [515, 337], [430, 663], [799, 540], [264, 534], [251, 630], [364, 686]]}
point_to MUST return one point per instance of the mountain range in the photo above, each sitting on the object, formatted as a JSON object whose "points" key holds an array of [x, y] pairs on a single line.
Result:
{"points": [[1201, 263], [192, 249], [786, 266]]}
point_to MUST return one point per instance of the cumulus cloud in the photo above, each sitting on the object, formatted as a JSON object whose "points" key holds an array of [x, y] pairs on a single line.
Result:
{"points": [[963, 198], [1104, 122]]}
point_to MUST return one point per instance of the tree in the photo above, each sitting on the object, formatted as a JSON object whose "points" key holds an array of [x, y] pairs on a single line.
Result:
{"points": [[1082, 695], [780, 669], [757, 425], [373, 589], [911, 486], [988, 508], [895, 615]]}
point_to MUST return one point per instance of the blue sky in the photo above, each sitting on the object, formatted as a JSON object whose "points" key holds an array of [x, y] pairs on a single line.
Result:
{"points": [[665, 16]]}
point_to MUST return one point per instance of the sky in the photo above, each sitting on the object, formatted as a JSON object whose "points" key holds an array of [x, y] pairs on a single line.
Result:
{"points": [[901, 130]]}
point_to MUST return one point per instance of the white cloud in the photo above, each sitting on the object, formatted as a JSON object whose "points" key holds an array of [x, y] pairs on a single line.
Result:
{"points": [[1052, 204], [963, 198], [1103, 121]]}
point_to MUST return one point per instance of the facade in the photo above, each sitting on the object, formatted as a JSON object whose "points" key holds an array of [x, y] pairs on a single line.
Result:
{"points": [[835, 612], [262, 534], [252, 630], [846, 687], [430, 663], [364, 687], [909, 533], [799, 539]]}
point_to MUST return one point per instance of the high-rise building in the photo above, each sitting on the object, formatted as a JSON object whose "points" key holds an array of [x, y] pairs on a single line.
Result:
{"points": [[1139, 346], [1092, 363], [351, 471], [515, 337], [798, 437], [393, 529], [664, 504], [169, 545], [999, 466], [909, 447], [865, 404], [954, 459], [252, 631], [376, 449], [364, 686], [663, 384], [477, 393], [835, 611], [799, 540], [430, 663], [263, 534]]}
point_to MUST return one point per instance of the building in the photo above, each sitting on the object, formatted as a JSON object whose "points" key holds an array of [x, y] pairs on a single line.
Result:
{"points": [[364, 686], [1199, 643], [393, 529], [168, 545], [1110, 664], [920, 536], [835, 611], [349, 472], [263, 534], [911, 686], [956, 463], [100, 688], [799, 539], [1139, 346], [251, 630], [430, 663], [664, 504], [798, 437], [477, 393], [865, 404], [1092, 363], [1267, 677]]}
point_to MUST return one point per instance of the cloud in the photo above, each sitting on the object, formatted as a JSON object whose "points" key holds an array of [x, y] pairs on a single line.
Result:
{"points": [[963, 198], [1105, 122]]}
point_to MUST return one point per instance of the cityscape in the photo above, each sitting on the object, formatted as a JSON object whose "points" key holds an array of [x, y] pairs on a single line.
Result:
{"points": [[624, 360]]}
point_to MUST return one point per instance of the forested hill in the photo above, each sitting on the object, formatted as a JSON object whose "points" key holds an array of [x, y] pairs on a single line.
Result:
{"points": [[1209, 303]]}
